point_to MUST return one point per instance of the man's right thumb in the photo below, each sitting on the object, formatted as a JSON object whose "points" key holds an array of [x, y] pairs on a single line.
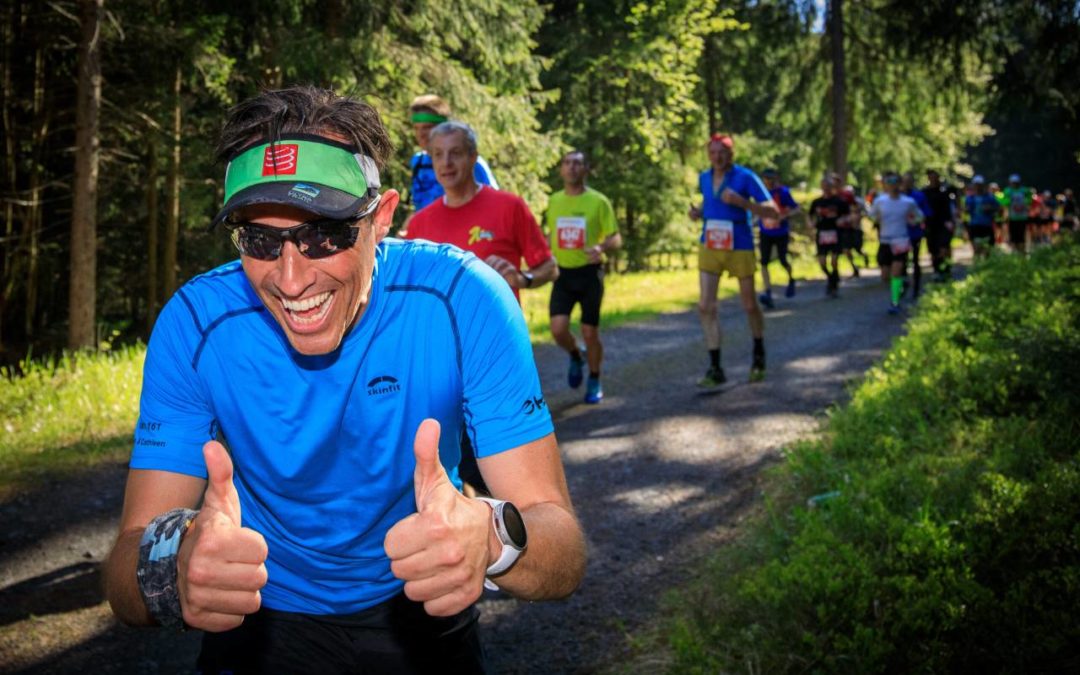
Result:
{"points": [[220, 492]]}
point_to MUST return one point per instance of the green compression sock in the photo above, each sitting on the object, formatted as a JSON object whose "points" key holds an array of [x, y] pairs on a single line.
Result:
{"points": [[897, 285]]}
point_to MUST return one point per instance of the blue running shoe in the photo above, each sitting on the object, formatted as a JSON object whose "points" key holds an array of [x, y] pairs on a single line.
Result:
{"points": [[576, 372], [766, 299], [594, 393], [790, 292], [894, 309]]}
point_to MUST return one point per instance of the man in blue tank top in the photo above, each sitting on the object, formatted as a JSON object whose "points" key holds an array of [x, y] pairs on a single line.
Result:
{"points": [[309, 398], [731, 196]]}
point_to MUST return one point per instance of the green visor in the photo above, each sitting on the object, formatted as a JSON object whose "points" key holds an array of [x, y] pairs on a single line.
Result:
{"points": [[313, 173]]}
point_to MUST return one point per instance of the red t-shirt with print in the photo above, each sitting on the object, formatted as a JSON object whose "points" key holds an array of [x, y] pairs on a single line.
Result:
{"points": [[491, 223]]}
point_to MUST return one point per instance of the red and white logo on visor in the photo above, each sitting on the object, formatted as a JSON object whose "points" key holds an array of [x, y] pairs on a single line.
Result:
{"points": [[280, 160]]}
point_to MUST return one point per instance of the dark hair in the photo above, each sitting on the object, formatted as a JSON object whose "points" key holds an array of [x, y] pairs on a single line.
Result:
{"points": [[304, 109]]}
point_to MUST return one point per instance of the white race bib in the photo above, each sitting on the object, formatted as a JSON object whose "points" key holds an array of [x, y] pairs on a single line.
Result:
{"points": [[719, 235], [571, 231], [828, 237]]}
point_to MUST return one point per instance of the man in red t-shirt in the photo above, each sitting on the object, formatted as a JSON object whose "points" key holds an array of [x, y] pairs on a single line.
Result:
{"points": [[497, 226]]}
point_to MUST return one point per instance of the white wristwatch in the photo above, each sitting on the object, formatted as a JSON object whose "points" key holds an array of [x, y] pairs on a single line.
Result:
{"points": [[510, 529]]}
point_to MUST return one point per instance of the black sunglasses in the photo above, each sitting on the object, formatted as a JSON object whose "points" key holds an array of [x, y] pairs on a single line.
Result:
{"points": [[319, 238]]}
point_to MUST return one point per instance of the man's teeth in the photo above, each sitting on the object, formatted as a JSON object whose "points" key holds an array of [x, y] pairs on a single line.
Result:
{"points": [[321, 300]]}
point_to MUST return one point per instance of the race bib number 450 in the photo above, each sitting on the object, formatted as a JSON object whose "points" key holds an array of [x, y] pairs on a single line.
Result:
{"points": [[719, 235], [571, 232]]}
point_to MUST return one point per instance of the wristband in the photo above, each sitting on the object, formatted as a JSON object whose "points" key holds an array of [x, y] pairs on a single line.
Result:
{"points": [[156, 569]]}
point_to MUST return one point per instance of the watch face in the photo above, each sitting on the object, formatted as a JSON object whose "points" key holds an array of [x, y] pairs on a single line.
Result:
{"points": [[515, 526]]}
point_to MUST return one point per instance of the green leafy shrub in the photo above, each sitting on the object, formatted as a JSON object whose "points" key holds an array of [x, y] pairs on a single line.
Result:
{"points": [[948, 537]]}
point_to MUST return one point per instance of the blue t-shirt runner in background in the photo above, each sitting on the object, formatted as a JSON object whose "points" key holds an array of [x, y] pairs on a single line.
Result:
{"points": [[917, 232], [426, 189], [323, 445], [781, 195], [714, 211]]}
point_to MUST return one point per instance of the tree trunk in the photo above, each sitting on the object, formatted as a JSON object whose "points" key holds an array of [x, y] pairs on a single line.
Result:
{"points": [[8, 260], [83, 292], [839, 87], [710, 86], [34, 212], [172, 214], [151, 234]]}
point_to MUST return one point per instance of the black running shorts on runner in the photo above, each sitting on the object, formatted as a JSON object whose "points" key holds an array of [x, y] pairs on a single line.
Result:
{"points": [[982, 233], [768, 242], [847, 239], [1017, 232], [575, 285], [396, 636], [937, 237], [886, 257]]}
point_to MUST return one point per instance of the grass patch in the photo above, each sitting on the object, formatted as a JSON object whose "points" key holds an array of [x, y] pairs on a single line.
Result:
{"points": [[945, 534], [65, 413]]}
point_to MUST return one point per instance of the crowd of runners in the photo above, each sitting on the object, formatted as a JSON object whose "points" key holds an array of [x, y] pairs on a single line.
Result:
{"points": [[746, 225]]}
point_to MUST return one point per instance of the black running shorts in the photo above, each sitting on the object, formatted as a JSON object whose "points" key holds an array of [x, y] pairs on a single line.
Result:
{"points": [[397, 636], [886, 257], [769, 242], [982, 233], [1017, 232], [584, 285]]}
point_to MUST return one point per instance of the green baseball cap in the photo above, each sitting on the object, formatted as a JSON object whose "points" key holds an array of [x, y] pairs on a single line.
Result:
{"points": [[311, 172]]}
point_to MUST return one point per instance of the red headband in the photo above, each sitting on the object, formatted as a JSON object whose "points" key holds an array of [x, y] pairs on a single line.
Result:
{"points": [[723, 139]]}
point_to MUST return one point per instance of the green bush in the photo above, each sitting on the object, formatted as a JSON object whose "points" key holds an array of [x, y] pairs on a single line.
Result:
{"points": [[948, 539]]}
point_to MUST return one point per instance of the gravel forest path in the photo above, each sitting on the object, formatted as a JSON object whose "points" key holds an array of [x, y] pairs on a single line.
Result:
{"points": [[660, 473]]}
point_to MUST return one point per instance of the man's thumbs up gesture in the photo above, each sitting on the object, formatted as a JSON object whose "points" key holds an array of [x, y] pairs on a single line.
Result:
{"points": [[442, 551], [220, 565]]}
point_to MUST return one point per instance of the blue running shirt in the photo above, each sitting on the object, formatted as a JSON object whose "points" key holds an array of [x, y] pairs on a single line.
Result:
{"points": [[322, 446], [770, 227], [720, 219]]}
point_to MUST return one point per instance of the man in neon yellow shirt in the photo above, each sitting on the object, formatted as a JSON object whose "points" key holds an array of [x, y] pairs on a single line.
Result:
{"points": [[582, 227]]}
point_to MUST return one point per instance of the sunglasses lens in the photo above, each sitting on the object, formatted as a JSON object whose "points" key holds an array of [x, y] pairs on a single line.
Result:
{"points": [[256, 242], [322, 238], [315, 239]]}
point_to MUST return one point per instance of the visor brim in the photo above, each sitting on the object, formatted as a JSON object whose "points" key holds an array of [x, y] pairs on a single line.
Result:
{"points": [[328, 202]]}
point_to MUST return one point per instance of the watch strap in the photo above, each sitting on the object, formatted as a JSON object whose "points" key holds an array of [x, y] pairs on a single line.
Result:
{"points": [[510, 553]]}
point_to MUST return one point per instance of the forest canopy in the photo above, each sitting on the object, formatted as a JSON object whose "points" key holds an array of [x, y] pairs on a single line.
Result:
{"points": [[636, 85]]}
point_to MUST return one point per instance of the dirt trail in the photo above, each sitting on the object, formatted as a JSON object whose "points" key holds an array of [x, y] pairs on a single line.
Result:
{"points": [[660, 474]]}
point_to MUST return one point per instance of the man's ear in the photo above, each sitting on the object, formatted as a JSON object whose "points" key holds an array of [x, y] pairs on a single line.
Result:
{"points": [[384, 214]]}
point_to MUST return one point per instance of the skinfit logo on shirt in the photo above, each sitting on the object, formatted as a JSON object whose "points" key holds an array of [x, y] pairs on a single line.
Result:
{"points": [[531, 405], [280, 159], [384, 384]]}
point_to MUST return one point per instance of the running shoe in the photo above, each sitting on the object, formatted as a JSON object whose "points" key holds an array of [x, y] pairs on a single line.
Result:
{"points": [[854, 272], [766, 299], [576, 372], [757, 368], [714, 377], [594, 393], [894, 309], [790, 292]]}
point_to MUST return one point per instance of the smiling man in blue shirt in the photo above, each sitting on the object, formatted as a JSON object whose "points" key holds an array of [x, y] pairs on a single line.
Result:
{"points": [[308, 398]]}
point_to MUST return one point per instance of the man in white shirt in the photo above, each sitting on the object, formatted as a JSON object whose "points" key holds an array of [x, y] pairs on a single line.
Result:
{"points": [[893, 212]]}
